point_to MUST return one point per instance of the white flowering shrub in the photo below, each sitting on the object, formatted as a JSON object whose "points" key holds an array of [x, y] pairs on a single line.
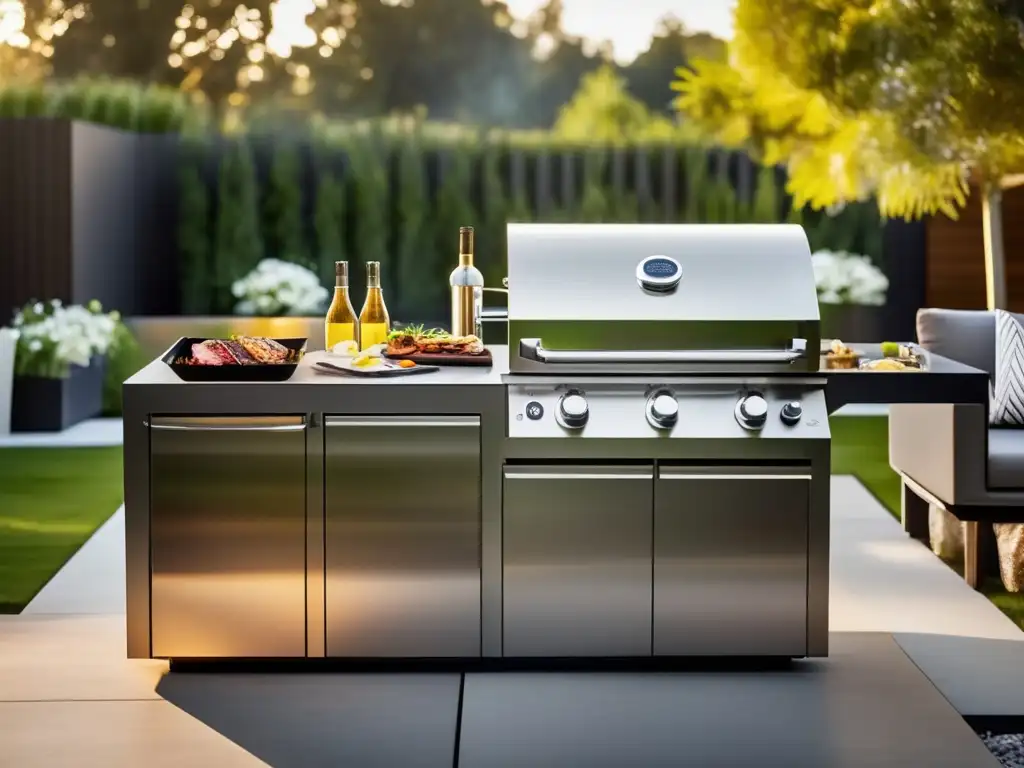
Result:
{"points": [[847, 278], [279, 287], [52, 337]]}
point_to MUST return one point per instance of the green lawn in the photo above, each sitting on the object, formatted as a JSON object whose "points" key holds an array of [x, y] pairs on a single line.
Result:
{"points": [[860, 447], [51, 501]]}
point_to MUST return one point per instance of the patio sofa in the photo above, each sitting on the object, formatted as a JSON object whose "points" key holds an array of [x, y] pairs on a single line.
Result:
{"points": [[950, 458]]}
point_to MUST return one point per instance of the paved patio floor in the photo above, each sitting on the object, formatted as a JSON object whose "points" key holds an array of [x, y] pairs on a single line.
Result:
{"points": [[68, 697]]}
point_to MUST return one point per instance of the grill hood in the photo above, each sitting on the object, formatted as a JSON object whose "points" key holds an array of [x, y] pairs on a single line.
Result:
{"points": [[610, 298]]}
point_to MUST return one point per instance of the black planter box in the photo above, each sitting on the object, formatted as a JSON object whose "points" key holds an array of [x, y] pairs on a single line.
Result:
{"points": [[53, 405]]}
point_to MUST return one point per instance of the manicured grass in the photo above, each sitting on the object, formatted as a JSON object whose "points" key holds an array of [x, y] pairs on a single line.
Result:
{"points": [[51, 502], [860, 447]]}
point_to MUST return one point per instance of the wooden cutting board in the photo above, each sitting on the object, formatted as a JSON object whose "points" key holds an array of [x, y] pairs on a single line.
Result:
{"points": [[483, 360]]}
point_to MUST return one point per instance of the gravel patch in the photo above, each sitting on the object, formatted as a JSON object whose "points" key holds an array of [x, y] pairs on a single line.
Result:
{"points": [[1007, 747]]}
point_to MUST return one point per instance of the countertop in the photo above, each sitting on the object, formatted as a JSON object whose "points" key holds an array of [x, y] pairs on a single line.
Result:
{"points": [[159, 373], [943, 381]]}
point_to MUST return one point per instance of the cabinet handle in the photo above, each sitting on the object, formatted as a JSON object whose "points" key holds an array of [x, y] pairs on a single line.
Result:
{"points": [[576, 476], [199, 426], [402, 421], [738, 476]]}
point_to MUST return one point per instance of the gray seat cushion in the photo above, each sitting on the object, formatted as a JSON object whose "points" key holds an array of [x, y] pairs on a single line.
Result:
{"points": [[1006, 459]]}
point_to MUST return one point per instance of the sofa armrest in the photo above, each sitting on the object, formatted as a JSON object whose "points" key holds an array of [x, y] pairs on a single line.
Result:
{"points": [[941, 447]]}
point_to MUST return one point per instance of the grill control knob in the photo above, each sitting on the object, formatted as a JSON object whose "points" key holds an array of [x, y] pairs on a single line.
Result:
{"points": [[662, 410], [573, 410], [791, 413], [752, 412]]}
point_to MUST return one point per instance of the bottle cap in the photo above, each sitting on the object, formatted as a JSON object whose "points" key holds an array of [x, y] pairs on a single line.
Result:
{"points": [[466, 235]]}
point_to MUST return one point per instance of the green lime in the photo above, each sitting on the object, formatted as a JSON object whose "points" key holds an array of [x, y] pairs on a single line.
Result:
{"points": [[890, 349]]}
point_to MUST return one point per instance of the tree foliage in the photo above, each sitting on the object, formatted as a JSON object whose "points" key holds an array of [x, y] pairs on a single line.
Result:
{"points": [[602, 110], [906, 101]]}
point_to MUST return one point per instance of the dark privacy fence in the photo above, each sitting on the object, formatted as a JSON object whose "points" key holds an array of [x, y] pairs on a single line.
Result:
{"points": [[156, 224]]}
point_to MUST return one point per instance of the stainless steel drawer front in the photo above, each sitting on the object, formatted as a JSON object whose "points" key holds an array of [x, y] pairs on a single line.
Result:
{"points": [[228, 528], [402, 535], [730, 562], [577, 560]]}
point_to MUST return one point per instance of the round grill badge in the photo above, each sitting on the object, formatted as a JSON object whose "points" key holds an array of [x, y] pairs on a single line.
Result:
{"points": [[659, 274]]}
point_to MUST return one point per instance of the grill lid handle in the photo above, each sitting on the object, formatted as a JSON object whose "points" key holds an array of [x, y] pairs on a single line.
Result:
{"points": [[532, 349]]}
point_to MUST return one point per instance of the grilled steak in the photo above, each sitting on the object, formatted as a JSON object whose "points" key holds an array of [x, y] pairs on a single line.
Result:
{"points": [[238, 352], [263, 350], [212, 352]]}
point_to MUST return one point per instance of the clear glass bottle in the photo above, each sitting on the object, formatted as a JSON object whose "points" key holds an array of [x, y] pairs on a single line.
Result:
{"points": [[467, 286], [341, 323], [374, 323]]}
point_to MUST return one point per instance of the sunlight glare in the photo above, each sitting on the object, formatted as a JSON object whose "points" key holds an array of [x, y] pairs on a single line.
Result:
{"points": [[288, 27]]}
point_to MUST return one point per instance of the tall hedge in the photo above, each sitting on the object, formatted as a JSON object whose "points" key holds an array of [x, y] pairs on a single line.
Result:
{"points": [[329, 224], [413, 228], [194, 243], [283, 227], [370, 194], [238, 246]]}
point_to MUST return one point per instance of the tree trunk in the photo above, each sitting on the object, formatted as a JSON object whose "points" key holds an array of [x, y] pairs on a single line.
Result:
{"points": [[995, 255]]}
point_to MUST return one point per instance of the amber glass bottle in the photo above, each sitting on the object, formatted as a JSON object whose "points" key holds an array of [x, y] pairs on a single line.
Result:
{"points": [[341, 323], [374, 323]]}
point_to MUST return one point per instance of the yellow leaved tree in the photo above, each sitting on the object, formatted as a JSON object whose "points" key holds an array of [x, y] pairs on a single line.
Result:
{"points": [[911, 102]]}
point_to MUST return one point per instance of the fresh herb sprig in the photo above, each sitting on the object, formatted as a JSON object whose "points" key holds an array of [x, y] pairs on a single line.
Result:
{"points": [[418, 331]]}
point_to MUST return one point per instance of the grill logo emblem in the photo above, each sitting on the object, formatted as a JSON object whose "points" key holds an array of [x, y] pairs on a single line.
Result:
{"points": [[659, 274]]}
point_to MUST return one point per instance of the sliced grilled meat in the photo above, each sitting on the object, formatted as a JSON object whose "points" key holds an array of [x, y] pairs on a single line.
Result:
{"points": [[238, 352], [212, 352]]}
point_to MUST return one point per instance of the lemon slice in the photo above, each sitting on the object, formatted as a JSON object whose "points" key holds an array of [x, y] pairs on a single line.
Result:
{"points": [[365, 361], [347, 348]]}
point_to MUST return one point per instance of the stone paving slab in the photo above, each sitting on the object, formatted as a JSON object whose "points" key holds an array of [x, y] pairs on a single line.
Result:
{"points": [[93, 580], [884, 581], [112, 734], [71, 658]]}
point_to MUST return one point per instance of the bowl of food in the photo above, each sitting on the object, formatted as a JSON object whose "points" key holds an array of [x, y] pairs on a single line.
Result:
{"points": [[240, 358], [841, 357]]}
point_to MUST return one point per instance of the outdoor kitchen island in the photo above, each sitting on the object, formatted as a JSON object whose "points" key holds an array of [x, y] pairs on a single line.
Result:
{"points": [[337, 517], [638, 478]]}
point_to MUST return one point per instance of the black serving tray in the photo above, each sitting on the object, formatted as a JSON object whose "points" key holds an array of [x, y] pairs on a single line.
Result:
{"points": [[182, 348]]}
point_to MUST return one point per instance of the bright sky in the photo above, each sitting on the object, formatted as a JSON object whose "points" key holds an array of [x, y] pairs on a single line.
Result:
{"points": [[629, 24]]}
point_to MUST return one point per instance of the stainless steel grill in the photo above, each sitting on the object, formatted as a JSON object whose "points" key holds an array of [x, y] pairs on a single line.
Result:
{"points": [[662, 299], [665, 482]]}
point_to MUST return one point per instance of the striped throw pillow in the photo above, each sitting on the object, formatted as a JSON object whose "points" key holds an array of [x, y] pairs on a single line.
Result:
{"points": [[1008, 400]]}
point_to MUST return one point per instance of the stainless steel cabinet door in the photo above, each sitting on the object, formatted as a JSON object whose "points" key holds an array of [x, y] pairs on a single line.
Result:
{"points": [[577, 561], [403, 536], [228, 531], [730, 562]]}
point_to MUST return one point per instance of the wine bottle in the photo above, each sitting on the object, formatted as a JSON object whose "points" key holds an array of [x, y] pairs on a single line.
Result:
{"points": [[341, 324], [374, 323], [467, 285]]}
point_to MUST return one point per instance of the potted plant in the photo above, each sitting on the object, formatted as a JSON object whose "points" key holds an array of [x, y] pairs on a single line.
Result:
{"points": [[851, 290], [59, 364], [278, 288]]}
